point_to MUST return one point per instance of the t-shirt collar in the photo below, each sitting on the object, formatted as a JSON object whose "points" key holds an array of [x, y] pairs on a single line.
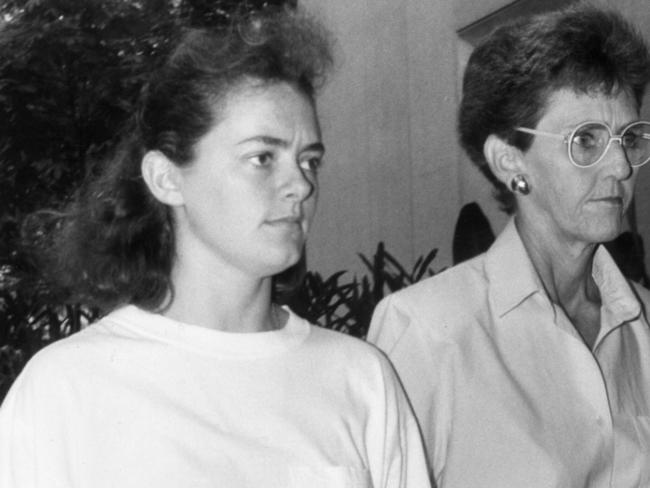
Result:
{"points": [[226, 345]]}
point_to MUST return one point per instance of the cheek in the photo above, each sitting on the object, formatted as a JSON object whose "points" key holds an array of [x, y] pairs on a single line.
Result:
{"points": [[566, 180], [630, 183], [550, 184], [315, 192], [563, 191], [309, 205], [561, 200], [628, 189]]}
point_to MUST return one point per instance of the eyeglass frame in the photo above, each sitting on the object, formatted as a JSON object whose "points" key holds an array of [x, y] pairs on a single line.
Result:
{"points": [[569, 137]]}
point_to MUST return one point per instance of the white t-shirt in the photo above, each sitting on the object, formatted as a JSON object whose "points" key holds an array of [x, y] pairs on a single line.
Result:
{"points": [[506, 392], [139, 400]]}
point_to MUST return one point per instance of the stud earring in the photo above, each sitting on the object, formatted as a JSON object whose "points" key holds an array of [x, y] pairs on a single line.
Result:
{"points": [[518, 184]]}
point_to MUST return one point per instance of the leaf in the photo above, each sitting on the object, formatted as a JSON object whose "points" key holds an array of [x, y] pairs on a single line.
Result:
{"points": [[473, 234]]}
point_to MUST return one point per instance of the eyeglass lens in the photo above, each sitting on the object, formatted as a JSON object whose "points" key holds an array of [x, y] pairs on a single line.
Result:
{"points": [[591, 140]]}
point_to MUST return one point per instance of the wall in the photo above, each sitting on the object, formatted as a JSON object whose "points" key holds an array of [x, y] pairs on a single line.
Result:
{"points": [[388, 117], [394, 171]]}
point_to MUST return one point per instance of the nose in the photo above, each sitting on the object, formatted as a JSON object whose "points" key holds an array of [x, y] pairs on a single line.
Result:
{"points": [[617, 159], [298, 184]]}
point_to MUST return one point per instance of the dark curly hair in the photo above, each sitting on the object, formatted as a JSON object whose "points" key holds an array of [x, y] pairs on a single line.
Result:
{"points": [[510, 76], [114, 244]]}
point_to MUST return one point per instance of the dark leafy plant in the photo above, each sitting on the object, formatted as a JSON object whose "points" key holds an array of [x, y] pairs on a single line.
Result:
{"points": [[348, 306], [473, 234], [628, 252], [322, 301]]}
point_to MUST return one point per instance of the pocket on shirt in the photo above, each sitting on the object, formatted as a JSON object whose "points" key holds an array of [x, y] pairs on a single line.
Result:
{"points": [[328, 477], [642, 427]]}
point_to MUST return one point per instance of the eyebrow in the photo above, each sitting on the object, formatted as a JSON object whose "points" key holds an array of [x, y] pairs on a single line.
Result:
{"points": [[275, 141]]}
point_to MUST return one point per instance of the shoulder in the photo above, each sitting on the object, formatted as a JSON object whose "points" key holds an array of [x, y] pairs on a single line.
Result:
{"points": [[71, 356], [344, 345], [65, 352], [448, 296], [339, 348], [436, 314], [50, 374], [458, 281]]}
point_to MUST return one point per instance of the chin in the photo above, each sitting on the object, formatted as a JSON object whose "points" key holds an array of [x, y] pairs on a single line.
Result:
{"points": [[609, 237], [603, 233], [276, 263], [603, 226]]}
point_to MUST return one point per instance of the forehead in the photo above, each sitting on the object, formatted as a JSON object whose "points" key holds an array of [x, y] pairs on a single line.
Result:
{"points": [[250, 91], [261, 109], [566, 108]]}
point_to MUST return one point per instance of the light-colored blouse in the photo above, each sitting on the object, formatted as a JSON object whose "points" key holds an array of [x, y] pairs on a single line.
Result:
{"points": [[506, 392]]}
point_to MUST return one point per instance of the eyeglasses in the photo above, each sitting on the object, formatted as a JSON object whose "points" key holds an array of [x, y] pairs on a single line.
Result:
{"points": [[589, 141]]}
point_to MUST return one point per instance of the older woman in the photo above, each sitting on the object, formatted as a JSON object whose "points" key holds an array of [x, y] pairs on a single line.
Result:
{"points": [[529, 366], [196, 378]]}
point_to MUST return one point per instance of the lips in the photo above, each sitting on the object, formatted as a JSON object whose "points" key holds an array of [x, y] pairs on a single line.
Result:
{"points": [[610, 197], [289, 223], [289, 219], [613, 200]]}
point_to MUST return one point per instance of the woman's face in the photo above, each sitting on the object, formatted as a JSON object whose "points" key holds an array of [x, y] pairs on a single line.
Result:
{"points": [[581, 205], [250, 194]]}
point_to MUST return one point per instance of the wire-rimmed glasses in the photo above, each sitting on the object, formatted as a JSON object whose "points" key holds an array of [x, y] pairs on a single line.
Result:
{"points": [[589, 141]]}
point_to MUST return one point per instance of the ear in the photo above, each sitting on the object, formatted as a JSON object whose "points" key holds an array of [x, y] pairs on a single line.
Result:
{"points": [[504, 160], [162, 177]]}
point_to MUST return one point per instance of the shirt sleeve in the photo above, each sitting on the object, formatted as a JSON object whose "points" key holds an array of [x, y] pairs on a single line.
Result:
{"points": [[396, 452], [31, 433], [424, 364]]}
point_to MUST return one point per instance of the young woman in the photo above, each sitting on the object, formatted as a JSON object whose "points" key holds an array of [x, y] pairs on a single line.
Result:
{"points": [[195, 378]]}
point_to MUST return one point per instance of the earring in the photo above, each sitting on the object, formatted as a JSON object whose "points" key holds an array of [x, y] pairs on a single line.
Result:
{"points": [[518, 184]]}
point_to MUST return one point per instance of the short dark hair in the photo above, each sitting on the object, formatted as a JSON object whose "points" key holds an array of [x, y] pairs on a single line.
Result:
{"points": [[115, 243], [510, 75]]}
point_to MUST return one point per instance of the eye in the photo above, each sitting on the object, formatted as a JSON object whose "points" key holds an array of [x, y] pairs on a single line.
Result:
{"points": [[636, 136], [587, 138], [312, 164], [631, 139], [262, 159]]}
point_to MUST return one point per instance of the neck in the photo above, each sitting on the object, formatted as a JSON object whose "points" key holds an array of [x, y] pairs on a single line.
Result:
{"points": [[563, 267], [221, 298]]}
